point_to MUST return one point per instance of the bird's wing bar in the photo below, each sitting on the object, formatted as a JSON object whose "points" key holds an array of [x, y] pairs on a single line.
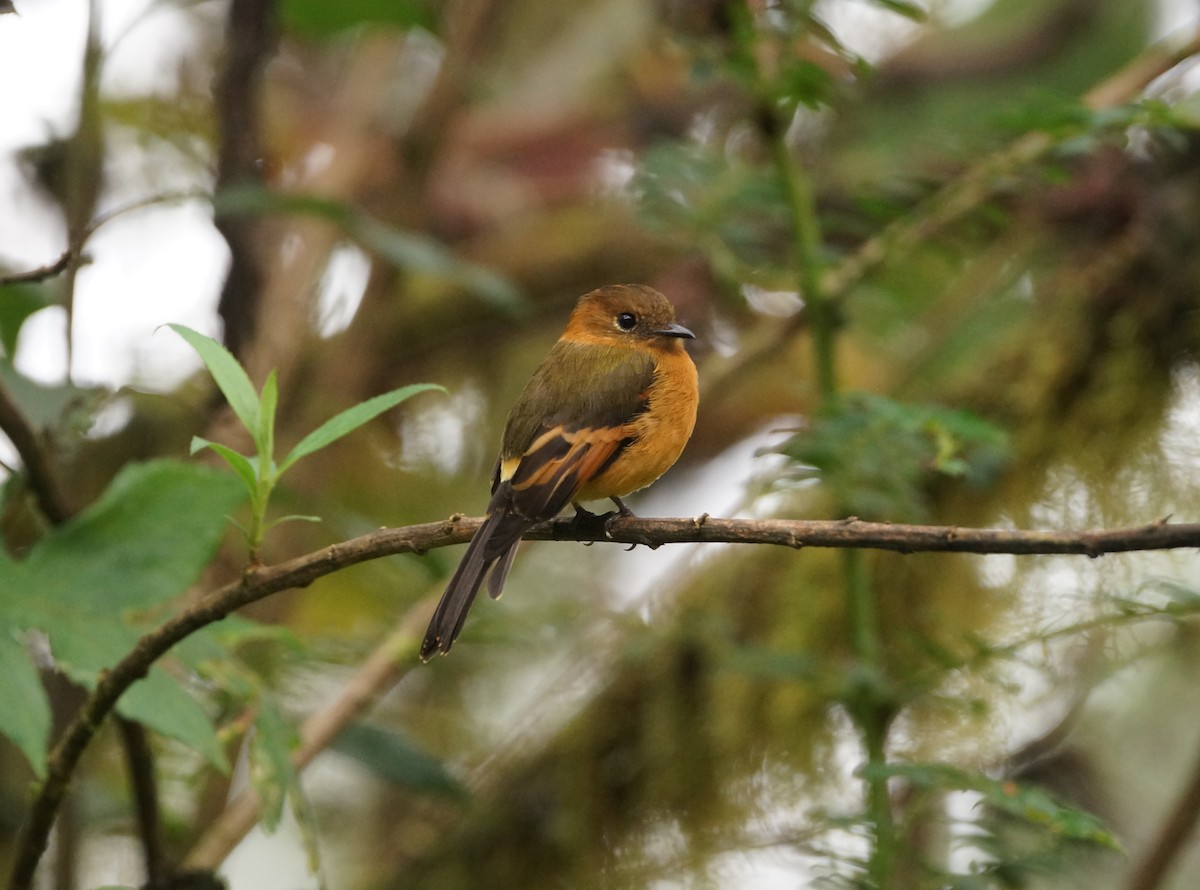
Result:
{"points": [[558, 463]]}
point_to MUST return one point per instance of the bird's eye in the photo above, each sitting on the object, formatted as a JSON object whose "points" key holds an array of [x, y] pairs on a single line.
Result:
{"points": [[626, 321]]}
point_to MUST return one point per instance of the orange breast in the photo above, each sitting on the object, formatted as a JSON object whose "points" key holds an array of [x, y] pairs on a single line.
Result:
{"points": [[661, 432]]}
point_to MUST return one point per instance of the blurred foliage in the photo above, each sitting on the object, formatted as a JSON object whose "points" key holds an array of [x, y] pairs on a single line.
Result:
{"points": [[877, 457], [1014, 335], [145, 540]]}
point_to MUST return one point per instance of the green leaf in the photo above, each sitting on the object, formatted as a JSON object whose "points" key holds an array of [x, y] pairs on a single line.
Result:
{"points": [[320, 18], [67, 409], [292, 517], [17, 303], [229, 376], [255, 200], [1028, 803], [264, 436], [219, 642], [237, 461], [764, 663], [879, 457], [144, 541], [415, 252], [807, 83], [351, 419], [24, 708], [395, 757], [271, 770], [422, 254], [905, 8], [162, 704]]}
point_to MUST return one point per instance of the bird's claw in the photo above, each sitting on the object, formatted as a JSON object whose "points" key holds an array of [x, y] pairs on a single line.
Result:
{"points": [[625, 513], [585, 521]]}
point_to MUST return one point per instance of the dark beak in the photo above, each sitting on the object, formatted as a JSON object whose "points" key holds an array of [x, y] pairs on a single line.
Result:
{"points": [[676, 330]]}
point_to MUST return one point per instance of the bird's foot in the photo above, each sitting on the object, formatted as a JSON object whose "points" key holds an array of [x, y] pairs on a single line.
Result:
{"points": [[585, 521], [623, 512]]}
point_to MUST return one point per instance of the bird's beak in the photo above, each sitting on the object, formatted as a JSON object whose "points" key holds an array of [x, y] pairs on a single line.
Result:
{"points": [[676, 330]]}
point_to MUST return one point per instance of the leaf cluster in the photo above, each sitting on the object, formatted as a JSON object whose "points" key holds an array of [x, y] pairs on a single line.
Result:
{"points": [[880, 458]]}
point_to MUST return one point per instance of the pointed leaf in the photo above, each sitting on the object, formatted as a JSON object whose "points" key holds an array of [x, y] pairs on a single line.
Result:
{"points": [[255, 200], [351, 419], [17, 303], [423, 254], [166, 707], [271, 770], [236, 460], [292, 517], [229, 376], [395, 757], [412, 251], [906, 8], [264, 436], [144, 541], [24, 708]]}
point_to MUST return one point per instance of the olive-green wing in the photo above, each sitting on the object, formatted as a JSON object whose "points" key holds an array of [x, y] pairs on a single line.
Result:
{"points": [[569, 425]]}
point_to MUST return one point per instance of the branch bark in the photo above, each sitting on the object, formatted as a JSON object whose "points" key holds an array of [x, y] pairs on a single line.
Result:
{"points": [[50, 270], [384, 667], [258, 583], [139, 760], [1171, 839], [52, 500], [250, 43], [43, 478]]}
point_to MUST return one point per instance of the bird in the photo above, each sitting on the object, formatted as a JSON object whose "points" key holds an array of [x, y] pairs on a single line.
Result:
{"points": [[607, 412]]}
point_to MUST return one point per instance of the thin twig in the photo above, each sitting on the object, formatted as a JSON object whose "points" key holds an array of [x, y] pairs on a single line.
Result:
{"points": [[178, 197], [383, 668], [43, 479], [140, 761], [1171, 839], [955, 199], [259, 583], [41, 273], [251, 36], [52, 500]]}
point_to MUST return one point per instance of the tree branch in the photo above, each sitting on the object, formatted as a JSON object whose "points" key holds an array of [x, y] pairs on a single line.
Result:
{"points": [[384, 667], [52, 500], [41, 273], [43, 479], [1171, 838], [139, 759], [258, 583], [251, 36]]}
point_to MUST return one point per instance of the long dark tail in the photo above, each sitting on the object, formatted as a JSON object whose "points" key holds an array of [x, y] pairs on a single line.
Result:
{"points": [[496, 540]]}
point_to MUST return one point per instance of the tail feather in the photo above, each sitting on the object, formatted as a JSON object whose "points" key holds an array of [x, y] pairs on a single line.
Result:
{"points": [[496, 540], [500, 570]]}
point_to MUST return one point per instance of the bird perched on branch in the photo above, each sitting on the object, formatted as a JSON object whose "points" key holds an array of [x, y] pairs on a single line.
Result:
{"points": [[607, 412]]}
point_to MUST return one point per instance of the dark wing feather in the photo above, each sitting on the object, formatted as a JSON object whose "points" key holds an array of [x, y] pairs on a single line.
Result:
{"points": [[558, 464], [560, 449], [562, 436]]}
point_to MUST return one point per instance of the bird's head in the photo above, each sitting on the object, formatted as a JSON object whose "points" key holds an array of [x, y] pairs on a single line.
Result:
{"points": [[626, 315]]}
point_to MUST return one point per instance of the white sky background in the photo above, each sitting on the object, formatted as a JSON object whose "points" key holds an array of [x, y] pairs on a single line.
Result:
{"points": [[156, 265], [167, 263]]}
